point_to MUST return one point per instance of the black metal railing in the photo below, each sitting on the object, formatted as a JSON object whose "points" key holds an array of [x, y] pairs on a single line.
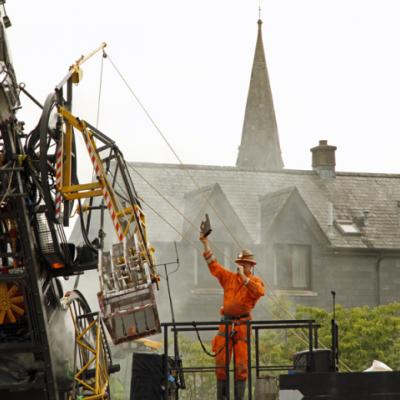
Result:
{"points": [[256, 326]]}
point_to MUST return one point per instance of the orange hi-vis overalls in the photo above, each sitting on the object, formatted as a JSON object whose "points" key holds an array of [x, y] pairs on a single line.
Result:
{"points": [[239, 301]]}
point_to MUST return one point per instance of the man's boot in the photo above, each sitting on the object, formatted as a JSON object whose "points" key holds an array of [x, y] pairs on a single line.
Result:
{"points": [[221, 390], [240, 387]]}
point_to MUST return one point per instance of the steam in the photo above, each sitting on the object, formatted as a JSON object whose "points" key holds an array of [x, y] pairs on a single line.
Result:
{"points": [[62, 344]]}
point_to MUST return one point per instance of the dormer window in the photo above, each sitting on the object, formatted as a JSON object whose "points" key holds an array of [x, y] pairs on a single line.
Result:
{"points": [[347, 227]]}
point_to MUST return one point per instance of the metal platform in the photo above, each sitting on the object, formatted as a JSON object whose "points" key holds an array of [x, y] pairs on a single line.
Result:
{"points": [[344, 386]]}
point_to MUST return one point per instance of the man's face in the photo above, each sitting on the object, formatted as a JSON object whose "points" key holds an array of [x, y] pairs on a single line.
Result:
{"points": [[247, 267]]}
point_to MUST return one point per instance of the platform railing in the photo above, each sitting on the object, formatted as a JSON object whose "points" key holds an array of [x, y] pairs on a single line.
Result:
{"points": [[254, 325]]}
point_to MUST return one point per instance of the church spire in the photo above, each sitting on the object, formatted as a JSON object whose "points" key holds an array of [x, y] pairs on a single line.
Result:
{"points": [[259, 149]]}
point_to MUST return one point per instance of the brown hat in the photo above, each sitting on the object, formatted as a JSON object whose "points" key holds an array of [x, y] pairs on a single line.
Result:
{"points": [[246, 255]]}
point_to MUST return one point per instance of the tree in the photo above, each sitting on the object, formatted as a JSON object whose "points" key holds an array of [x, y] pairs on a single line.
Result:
{"points": [[199, 385], [365, 333]]}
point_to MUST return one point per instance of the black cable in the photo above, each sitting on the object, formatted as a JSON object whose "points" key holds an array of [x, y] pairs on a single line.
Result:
{"points": [[202, 344], [83, 230]]}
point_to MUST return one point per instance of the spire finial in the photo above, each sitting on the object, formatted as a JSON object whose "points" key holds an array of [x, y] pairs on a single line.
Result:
{"points": [[259, 10]]}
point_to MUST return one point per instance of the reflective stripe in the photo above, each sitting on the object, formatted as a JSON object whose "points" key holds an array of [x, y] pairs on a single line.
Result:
{"points": [[210, 260], [209, 257], [59, 177]]}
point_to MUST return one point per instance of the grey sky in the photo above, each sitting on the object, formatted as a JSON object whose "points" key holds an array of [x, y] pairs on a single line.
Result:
{"points": [[334, 71]]}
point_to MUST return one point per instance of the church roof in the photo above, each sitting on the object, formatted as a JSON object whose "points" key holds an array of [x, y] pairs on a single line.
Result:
{"points": [[259, 149], [349, 196]]}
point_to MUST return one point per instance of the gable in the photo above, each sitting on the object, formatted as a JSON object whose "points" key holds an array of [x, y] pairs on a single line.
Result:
{"points": [[225, 223], [286, 216]]}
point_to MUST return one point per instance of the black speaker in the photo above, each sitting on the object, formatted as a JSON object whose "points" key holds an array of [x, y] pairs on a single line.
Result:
{"points": [[318, 361], [147, 377]]}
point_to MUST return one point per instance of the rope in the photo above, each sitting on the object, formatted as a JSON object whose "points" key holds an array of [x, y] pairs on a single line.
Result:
{"points": [[100, 88], [173, 151]]}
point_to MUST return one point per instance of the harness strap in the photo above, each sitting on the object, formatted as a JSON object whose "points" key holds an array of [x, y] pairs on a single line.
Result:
{"points": [[231, 337]]}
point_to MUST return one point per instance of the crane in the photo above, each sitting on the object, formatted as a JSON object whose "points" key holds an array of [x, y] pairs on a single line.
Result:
{"points": [[39, 189]]}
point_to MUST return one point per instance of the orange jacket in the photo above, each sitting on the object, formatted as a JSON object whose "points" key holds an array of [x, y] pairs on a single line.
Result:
{"points": [[238, 298]]}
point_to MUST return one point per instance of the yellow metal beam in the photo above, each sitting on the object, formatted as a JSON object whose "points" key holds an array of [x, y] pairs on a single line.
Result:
{"points": [[83, 195], [81, 191], [69, 118], [82, 186]]}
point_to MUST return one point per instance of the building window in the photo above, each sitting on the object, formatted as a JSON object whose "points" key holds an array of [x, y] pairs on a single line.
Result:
{"points": [[346, 227], [292, 266]]}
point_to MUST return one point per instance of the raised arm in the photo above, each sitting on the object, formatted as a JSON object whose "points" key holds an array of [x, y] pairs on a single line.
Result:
{"points": [[215, 268]]}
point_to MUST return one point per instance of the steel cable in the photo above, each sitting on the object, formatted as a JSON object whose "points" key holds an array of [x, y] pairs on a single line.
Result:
{"points": [[172, 150], [271, 294]]}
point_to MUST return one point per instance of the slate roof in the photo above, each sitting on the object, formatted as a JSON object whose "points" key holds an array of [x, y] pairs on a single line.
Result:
{"points": [[350, 193]]}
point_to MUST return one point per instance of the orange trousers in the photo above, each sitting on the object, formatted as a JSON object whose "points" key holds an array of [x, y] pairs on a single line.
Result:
{"points": [[238, 343]]}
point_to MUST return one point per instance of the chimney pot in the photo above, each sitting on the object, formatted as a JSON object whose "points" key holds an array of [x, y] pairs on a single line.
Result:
{"points": [[323, 159]]}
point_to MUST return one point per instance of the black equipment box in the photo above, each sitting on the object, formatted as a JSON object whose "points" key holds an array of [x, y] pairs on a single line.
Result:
{"points": [[319, 360], [148, 378]]}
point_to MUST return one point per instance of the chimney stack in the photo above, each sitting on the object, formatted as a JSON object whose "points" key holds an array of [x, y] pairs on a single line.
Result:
{"points": [[323, 159]]}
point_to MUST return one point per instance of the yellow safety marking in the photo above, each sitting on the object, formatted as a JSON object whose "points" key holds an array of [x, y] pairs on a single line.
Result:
{"points": [[126, 211]]}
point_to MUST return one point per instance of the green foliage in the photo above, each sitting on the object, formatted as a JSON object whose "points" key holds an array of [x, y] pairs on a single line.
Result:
{"points": [[366, 334], [117, 389], [199, 385]]}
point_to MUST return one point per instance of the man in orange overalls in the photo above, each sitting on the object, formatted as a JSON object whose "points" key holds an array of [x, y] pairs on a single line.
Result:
{"points": [[241, 292]]}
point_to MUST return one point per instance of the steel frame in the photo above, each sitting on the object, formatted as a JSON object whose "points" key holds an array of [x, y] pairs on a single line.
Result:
{"points": [[32, 278], [96, 385]]}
